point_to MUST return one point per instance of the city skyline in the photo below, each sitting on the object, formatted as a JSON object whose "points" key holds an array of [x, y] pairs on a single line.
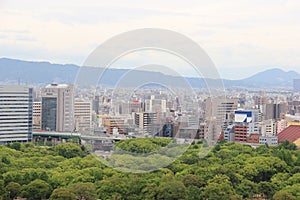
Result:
{"points": [[240, 37]]}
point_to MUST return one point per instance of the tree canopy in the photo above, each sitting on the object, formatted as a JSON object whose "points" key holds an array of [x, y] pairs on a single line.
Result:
{"points": [[227, 171]]}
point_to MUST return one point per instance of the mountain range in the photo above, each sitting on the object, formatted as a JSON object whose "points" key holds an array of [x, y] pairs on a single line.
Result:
{"points": [[40, 73]]}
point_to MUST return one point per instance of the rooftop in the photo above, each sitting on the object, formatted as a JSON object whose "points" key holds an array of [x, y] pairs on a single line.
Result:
{"points": [[291, 133]]}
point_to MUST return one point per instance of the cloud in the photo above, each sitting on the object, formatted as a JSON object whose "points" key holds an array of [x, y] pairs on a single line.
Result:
{"points": [[237, 34]]}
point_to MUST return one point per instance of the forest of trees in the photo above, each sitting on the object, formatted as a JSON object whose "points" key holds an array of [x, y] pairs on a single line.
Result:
{"points": [[229, 171]]}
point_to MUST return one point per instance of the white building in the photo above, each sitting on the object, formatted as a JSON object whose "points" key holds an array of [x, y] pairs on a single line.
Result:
{"points": [[155, 105], [270, 140], [15, 113]]}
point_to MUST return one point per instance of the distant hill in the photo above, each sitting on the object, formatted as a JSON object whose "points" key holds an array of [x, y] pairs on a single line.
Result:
{"points": [[271, 77], [41, 73]]}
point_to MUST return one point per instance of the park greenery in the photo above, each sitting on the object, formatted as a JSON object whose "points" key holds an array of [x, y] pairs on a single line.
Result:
{"points": [[228, 171]]}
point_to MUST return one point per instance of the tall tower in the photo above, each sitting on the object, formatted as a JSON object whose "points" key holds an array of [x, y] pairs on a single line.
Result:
{"points": [[57, 108], [15, 113], [83, 116]]}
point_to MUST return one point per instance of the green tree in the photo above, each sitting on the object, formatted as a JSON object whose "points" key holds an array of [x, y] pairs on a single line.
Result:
{"points": [[193, 193], [286, 156], [294, 179], [36, 190], [2, 188], [293, 190], [171, 190], [150, 192], [16, 146], [13, 189], [111, 187], [193, 180], [247, 189], [84, 191], [266, 188], [62, 194], [218, 191], [5, 160], [287, 145], [283, 195], [69, 150]]}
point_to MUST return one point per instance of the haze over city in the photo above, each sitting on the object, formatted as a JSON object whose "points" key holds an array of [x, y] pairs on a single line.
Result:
{"points": [[135, 100], [241, 37]]}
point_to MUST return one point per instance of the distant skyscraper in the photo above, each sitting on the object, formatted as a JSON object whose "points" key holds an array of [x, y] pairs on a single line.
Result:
{"points": [[220, 109], [296, 85], [83, 116], [37, 115], [96, 104], [145, 120], [15, 113], [274, 111], [57, 108]]}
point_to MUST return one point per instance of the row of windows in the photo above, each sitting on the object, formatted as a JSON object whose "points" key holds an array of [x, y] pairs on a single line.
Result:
{"points": [[10, 131], [15, 103], [26, 123], [12, 115], [16, 118], [24, 134], [14, 100]]}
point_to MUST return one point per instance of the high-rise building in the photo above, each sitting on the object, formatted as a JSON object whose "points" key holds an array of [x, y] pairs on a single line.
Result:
{"points": [[37, 115], [83, 116], [96, 102], [219, 109], [15, 113], [155, 105], [275, 110], [145, 121], [58, 108]]}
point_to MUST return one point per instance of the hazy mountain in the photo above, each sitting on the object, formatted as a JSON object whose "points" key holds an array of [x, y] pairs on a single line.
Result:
{"points": [[271, 77], [13, 71]]}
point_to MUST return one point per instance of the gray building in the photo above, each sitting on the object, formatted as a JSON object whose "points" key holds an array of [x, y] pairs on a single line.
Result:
{"points": [[270, 140], [15, 113], [275, 110], [145, 121]]}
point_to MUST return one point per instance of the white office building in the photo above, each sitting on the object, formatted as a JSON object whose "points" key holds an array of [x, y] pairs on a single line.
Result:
{"points": [[15, 113]]}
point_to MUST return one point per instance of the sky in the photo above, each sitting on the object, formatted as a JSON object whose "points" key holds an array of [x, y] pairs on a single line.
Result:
{"points": [[241, 37]]}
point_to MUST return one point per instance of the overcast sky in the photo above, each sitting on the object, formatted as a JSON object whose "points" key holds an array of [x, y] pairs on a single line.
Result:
{"points": [[241, 37]]}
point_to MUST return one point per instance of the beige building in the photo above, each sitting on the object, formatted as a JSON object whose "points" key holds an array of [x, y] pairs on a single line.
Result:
{"points": [[83, 116], [36, 115], [220, 109], [112, 124], [58, 108], [269, 127]]}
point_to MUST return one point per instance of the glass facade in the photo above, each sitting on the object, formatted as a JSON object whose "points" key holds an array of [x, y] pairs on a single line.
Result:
{"points": [[49, 109]]}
